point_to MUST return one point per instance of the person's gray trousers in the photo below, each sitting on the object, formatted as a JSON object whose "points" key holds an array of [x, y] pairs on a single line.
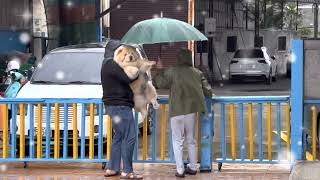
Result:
{"points": [[184, 127]]}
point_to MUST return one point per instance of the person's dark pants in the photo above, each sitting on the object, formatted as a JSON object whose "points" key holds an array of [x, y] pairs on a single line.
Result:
{"points": [[123, 124]]}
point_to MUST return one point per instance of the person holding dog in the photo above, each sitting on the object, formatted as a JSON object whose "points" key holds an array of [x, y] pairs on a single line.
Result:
{"points": [[188, 90], [118, 99]]}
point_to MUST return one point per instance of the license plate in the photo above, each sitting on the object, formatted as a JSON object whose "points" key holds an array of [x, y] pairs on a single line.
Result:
{"points": [[43, 131]]}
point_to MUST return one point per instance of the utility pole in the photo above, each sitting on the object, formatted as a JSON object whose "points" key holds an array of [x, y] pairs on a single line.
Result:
{"points": [[316, 11], [210, 40], [246, 15], [256, 24], [297, 14]]}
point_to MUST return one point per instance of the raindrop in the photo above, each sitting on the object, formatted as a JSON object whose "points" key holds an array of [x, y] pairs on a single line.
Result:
{"points": [[3, 168], [130, 18], [171, 44], [13, 28], [116, 119], [16, 59], [179, 8], [299, 143], [60, 75], [40, 65], [24, 38], [224, 76], [204, 13], [26, 15], [293, 58], [69, 4]]}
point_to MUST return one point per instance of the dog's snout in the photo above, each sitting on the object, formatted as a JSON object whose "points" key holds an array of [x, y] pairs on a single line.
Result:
{"points": [[131, 58]]}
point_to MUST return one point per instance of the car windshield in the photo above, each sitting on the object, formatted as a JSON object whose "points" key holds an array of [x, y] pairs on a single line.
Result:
{"points": [[69, 68], [249, 53]]}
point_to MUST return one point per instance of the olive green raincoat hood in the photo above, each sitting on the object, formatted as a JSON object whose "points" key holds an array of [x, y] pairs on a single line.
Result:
{"points": [[188, 87]]}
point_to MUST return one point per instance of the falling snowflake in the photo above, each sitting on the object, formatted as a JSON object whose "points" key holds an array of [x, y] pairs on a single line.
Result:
{"points": [[13, 28], [24, 38], [130, 18], [156, 16], [221, 84], [313, 108], [26, 15], [171, 44], [40, 65], [204, 13], [159, 64], [293, 58], [243, 147], [116, 119], [179, 8], [153, 1], [224, 76], [16, 59], [69, 4], [3, 167], [60, 75], [119, 6], [210, 115], [299, 143]]}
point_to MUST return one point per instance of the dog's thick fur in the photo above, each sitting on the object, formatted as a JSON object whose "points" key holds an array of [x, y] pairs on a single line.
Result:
{"points": [[144, 92]]}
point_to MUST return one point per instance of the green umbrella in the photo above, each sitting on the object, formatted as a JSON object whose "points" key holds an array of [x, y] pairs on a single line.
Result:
{"points": [[162, 30]]}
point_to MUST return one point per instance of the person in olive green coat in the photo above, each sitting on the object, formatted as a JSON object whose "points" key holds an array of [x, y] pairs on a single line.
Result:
{"points": [[188, 90]]}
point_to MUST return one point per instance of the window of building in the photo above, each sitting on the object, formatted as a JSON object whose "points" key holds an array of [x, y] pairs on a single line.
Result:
{"points": [[231, 43], [202, 46], [282, 43]]}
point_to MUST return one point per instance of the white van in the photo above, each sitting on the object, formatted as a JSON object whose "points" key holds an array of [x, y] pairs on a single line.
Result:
{"points": [[66, 73]]}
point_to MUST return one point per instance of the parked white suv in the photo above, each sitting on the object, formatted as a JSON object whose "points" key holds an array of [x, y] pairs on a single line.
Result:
{"points": [[67, 73], [254, 62]]}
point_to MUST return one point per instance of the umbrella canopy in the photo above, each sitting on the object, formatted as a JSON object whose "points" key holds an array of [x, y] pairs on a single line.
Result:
{"points": [[162, 30]]}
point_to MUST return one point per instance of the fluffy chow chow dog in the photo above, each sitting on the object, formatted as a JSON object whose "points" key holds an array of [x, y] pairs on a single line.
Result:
{"points": [[144, 92]]}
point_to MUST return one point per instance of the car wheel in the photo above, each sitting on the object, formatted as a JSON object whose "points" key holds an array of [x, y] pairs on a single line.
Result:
{"points": [[288, 73], [149, 129], [274, 78], [269, 78]]}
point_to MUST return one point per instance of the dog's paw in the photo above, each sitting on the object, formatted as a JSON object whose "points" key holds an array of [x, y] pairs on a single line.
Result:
{"points": [[156, 105]]}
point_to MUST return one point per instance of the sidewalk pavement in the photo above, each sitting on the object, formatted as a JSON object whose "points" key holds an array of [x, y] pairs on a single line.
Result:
{"points": [[76, 171]]}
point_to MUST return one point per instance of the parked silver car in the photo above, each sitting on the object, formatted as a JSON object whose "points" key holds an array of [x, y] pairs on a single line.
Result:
{"points": [[254, 62]]}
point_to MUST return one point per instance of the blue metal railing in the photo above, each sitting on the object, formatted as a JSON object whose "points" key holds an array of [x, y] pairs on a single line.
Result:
{"points": [[161, 146], [251, 102]]}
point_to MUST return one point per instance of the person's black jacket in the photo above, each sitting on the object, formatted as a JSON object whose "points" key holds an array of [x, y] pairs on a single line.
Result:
{"points": [[115, 82]]}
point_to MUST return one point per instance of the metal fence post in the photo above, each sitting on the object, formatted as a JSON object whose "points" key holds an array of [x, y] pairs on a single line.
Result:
{"points": [[206, 139], [297, 101]]}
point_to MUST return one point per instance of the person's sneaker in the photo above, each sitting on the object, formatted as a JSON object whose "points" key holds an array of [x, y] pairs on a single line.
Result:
{"points": [[190, 171], [180, 175]]}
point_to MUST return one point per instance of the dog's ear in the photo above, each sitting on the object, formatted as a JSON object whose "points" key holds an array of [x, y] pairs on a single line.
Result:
{"points": [[118, 54]]}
